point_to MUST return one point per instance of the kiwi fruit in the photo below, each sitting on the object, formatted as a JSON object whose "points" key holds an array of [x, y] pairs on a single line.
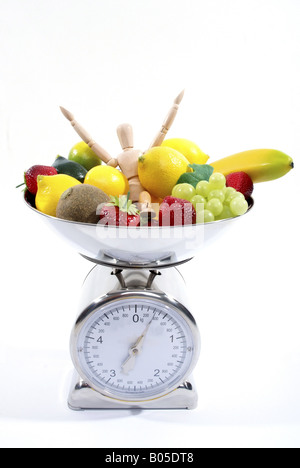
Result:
{"points": [[79, 203]]}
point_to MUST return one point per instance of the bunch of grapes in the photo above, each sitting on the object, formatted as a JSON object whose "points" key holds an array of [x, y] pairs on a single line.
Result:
{"points": [[212, 199]]}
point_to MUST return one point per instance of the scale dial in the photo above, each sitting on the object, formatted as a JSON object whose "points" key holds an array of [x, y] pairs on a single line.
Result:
{"points": [[135, 347]]}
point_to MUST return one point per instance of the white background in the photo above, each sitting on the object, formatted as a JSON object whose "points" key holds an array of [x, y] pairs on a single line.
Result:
{"points": [[115, 61]]}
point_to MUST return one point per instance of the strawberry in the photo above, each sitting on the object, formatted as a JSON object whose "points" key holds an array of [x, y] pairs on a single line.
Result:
{"points": [[241, 182], [119, 212], [176, 212], [30, 176]]}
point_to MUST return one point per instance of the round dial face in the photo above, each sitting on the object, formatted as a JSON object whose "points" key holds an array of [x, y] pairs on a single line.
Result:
{"points": [[134, 349]]}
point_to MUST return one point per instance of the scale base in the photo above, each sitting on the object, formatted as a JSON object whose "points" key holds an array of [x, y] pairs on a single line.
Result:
{"points": [[83, 397]]}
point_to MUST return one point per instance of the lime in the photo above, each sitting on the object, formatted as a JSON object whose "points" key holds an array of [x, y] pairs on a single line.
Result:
{"points": [[71, 168], [84, 155]]}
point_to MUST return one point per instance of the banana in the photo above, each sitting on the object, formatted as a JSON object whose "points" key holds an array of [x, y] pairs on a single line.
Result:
{"points": [[260, 164]]}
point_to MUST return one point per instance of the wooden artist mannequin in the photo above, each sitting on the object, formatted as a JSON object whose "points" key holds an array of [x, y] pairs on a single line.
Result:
{"points": [[128, 159]]}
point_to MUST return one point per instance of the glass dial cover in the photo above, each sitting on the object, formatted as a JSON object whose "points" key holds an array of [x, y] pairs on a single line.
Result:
{"points": [[135, 348]]}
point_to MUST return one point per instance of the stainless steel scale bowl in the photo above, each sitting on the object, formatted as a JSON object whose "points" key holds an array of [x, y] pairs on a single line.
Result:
{"points": [[137, 247], [135, 342]]}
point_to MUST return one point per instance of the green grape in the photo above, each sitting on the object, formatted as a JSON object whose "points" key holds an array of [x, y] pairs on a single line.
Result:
{"points": [[215, 206], [217, 193], [238, 206], [229, 191], [198, 202], [225, 214], [200, 217], [233, 195], [183, 191], [205, 216], [202, 188], [217, 180], [208, 216]]}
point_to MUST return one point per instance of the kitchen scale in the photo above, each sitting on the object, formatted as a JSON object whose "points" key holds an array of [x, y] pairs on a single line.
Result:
{"points": [[135, 342]]}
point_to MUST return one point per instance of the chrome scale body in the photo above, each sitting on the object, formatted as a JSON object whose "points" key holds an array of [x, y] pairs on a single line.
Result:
{"points": [[166, 286]]}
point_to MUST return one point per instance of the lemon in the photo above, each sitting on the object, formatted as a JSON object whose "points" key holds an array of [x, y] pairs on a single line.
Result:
{"points": [[50, 189], [84, 155], [109, 179], [190, 150], [159, 170]]}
